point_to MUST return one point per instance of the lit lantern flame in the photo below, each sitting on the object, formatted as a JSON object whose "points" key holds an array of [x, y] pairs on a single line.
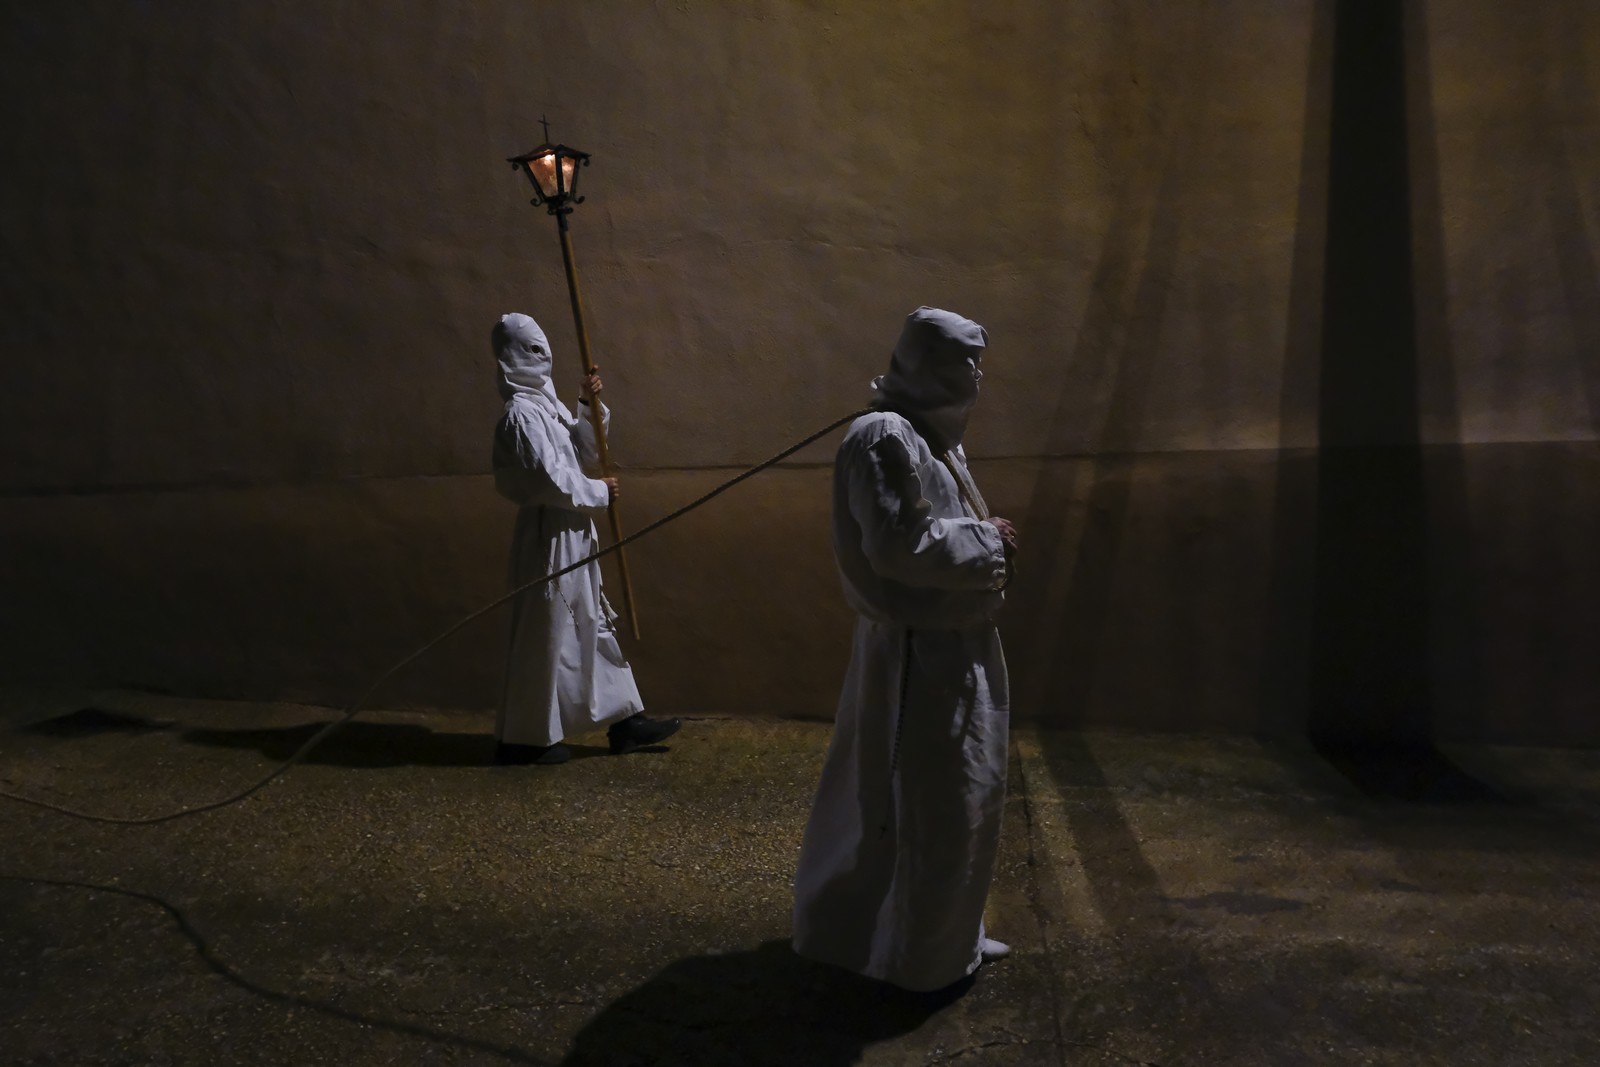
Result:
{"points": [[552, 170], [544, 171]]}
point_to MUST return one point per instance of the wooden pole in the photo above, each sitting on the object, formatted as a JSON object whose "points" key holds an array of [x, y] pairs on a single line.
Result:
{"points": [[597, 419]]}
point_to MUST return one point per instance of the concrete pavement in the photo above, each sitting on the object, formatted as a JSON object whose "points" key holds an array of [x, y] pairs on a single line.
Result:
{"points": [[1170, 899]]}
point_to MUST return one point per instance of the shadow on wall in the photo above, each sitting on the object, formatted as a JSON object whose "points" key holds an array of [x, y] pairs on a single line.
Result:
{"points": [[1069, 587], [1377, 636], [1391, 528], [1371, 627], [1575, 258]]}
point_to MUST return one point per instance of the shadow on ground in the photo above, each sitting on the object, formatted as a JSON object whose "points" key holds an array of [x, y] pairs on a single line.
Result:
{"points": [[1413, 772], [356, 744], [93, 722], [765, 1006], [367, 745]]}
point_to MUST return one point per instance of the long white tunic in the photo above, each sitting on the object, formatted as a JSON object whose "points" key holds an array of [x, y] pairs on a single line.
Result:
{"points": [[565, 674], [900, 847]]}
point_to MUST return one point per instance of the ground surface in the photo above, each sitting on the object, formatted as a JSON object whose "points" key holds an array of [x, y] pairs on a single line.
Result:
{"points": [[1172, 900]]}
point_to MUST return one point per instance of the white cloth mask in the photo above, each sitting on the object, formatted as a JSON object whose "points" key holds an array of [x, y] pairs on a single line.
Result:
{"points": [[523, 352]]}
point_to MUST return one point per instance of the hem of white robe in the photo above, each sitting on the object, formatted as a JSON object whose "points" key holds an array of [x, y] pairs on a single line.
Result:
{"points": [[881, 974], [525, 736]]}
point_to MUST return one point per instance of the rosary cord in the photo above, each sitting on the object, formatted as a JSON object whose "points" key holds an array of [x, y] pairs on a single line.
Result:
{"points": [[354, 709]]}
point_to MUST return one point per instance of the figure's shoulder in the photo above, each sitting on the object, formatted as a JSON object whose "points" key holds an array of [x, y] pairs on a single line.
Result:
{"points": [[874, 426], [523, 420], [523, 412]]}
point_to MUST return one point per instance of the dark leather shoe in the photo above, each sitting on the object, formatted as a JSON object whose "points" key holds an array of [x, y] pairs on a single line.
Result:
{"points": [[636, 732], [521, 755]]}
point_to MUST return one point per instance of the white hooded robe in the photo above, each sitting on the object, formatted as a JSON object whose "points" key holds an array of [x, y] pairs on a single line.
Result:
{"points": [[899, 851], [565, 674]]}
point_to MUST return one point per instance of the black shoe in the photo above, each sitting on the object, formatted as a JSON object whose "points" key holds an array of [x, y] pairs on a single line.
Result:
{"points": [[521, 755], [636, 731]]}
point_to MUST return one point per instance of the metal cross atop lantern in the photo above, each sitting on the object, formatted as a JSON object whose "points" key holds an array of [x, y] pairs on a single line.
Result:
{"points": [[553, 171]]}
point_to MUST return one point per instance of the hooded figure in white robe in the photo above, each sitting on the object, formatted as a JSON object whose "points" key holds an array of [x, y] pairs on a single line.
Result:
{"points": [[566, 673], [900, 848]]}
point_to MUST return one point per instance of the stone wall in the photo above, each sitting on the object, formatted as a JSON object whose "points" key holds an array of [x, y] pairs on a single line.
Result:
{"points": [[254, 252]]}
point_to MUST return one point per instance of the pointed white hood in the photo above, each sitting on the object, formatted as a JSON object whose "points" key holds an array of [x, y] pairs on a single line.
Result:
{"points": [[933, 375], [523, 352]]}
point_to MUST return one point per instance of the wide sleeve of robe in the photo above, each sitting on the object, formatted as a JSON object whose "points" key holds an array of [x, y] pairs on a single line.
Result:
{"points": [[531, 468], [583, 435], [900, 538]]}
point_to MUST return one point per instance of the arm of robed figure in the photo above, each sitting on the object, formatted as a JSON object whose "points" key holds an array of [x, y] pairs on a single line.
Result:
{"points": [[901, 538]]}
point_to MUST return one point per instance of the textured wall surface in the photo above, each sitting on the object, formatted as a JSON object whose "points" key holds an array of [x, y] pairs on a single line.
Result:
{"points": [[252, 254]]}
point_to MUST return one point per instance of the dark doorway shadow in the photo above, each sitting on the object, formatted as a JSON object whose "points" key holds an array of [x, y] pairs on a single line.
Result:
{"points": [[367, 745], [766, 1006]]}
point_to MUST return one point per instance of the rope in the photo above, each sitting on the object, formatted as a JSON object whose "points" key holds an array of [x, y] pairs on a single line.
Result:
{"points": [[354, 709]]}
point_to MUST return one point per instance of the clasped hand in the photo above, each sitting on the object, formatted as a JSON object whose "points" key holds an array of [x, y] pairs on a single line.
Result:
{"points": [[1008, 533]]}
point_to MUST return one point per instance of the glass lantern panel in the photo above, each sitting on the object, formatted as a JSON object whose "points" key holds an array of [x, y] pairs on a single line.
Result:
{"points": [[543, 171]]}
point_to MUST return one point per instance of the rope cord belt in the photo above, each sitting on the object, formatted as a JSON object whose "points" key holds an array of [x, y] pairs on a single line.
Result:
{"points": [[354, 709]]}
